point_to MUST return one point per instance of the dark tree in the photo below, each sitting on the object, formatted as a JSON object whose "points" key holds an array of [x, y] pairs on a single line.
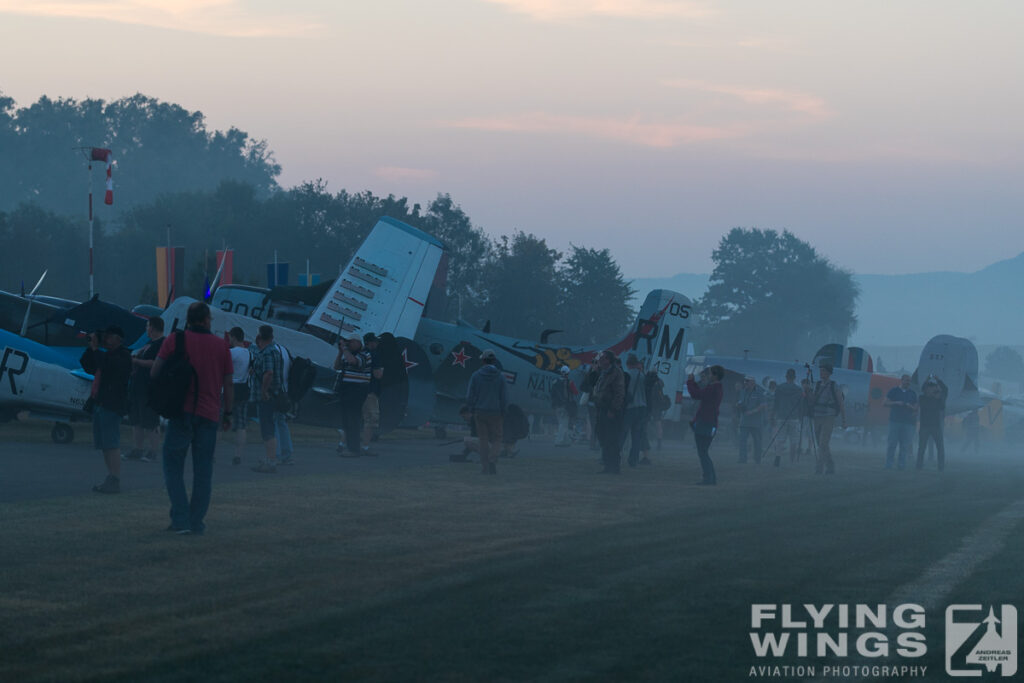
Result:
{"points": [[523, 288], [35, 240], [469, 251], [593, 308], [158, 148], [773, 294]]}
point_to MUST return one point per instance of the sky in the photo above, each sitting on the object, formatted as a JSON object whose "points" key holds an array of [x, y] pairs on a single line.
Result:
{"points": [[887, 134]]}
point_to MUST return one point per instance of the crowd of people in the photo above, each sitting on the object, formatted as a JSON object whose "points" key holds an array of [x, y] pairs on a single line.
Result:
{"points": [[789, 415], [232, 382]]}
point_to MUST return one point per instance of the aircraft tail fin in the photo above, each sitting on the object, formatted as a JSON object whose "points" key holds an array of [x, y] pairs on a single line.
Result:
{"points": [[954, 360], [383, 288], [856, 358], [659, 340]]}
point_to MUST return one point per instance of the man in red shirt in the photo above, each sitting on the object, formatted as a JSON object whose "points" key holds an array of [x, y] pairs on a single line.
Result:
{"points": [[197, 427]]}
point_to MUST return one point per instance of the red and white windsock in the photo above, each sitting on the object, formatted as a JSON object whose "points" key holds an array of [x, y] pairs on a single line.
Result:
{"points": [[101, 154]]}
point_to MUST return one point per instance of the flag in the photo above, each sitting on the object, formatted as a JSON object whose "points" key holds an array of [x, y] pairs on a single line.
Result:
{"points": [[103, 154]]}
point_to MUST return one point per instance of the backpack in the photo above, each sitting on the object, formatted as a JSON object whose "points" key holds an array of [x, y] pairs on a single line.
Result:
{"points": [[515, 425], [301, 376], [655, 394], [559, 393], [169, 389]]}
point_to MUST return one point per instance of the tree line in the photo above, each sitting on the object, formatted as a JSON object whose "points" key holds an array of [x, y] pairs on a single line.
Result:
{"points": [[205, 189]]}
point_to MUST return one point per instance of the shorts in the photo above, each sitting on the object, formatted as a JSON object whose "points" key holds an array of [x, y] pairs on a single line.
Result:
{"points": [[241, 408], [106, 429]]}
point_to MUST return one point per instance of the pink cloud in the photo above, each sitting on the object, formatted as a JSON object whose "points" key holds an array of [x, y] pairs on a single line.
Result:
{"points": [[632, 130], [554, 10], [804, 103], [213, 17]]}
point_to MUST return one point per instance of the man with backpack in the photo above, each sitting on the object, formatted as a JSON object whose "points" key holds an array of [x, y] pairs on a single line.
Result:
{"points": [[827, 404], [207, 359], [111, 370]]}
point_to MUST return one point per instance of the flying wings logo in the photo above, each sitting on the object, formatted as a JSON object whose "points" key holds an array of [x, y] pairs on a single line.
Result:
{"points": [[980, 641]]}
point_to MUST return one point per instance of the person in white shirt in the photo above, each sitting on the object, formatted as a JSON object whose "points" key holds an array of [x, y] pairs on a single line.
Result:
{"points": [[240, 363]]}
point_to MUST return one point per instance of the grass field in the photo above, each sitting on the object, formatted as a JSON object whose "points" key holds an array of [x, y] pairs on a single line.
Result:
{"points": [[546, 572]]}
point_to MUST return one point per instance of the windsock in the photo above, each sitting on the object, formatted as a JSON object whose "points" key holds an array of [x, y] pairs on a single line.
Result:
{"points": [[101, 154]]}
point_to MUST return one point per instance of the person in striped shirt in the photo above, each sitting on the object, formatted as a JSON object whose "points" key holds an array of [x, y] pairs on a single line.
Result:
{"points": [[352, 385]]}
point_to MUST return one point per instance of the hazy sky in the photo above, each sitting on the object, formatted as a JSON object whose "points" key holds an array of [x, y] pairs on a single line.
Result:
{"points": [[886, 133]]}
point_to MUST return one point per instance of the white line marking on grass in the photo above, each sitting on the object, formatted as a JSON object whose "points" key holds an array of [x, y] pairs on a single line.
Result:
{"points": [[931, 589]]}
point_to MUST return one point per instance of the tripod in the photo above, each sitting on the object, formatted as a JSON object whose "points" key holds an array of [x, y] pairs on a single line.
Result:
{"points": [[777, 431]]}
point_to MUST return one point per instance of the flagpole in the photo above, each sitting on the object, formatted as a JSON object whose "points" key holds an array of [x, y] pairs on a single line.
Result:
{"points": [[91, 287]]}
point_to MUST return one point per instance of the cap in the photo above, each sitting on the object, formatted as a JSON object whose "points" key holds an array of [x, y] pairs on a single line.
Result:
{"points": [[370, 337], [748, 378], [564, 370], [114, 329], [488, 355]]}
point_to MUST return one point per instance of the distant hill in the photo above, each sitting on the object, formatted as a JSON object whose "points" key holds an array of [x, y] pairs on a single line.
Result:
{"points": [[897, 310]]}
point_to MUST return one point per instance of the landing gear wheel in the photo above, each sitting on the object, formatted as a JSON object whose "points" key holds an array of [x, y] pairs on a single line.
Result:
{"points": [[62, 433]]}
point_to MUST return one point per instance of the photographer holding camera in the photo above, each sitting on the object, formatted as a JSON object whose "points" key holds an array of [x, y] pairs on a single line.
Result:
{"points": [[111, 370], [932, 414], [352, 386]]}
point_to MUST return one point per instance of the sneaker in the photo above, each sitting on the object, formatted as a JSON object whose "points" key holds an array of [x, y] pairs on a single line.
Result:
{"points": [[148, 456], [264, 468], [286, 461], [645, 461], [133, 454], [110, 485], [180, 532], [236, 460]]}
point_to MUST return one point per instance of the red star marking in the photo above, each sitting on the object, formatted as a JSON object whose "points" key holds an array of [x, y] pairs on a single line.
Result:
{"points": [[408, 363], [459, 358]]}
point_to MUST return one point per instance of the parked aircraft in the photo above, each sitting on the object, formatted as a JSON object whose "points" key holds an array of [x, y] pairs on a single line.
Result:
{"points": [[954, 360], [35, 381], [384, 289]]}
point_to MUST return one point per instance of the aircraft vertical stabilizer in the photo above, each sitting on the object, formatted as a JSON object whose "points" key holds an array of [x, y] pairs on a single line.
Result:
{"points": [[954, 360], [659, 341], [383, 288]]}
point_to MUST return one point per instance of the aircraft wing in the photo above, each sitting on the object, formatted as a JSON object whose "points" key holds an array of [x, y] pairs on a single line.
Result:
{"points": [[383, 288]]}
